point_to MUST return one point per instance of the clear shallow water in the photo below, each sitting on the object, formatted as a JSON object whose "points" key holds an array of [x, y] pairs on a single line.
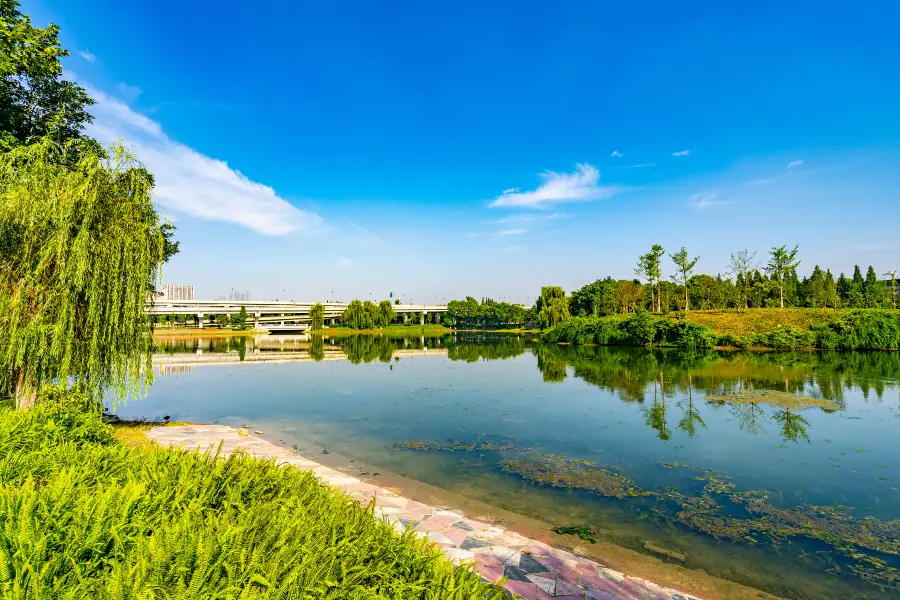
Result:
{"points": [[625, 410]]}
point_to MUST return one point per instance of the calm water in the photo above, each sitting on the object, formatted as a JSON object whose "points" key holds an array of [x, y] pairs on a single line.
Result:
{"points": [[639, 414]]}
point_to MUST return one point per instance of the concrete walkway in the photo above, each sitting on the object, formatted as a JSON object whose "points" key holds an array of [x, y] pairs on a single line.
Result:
{"points": [[534, 570]]}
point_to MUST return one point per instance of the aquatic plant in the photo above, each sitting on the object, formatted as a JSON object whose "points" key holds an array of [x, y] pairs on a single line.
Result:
{"points": [[555, 470], [773, 398], [585, 533]]}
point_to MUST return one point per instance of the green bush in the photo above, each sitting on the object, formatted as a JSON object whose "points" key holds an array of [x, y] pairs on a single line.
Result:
{"points": [[93, 518]]}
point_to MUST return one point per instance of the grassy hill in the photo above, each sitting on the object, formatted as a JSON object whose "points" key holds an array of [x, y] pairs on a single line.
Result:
{"points": [[763, 320]]}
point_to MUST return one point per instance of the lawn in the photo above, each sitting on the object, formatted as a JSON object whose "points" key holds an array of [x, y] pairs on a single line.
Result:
{"points": [[83, 514], [761, 320]]}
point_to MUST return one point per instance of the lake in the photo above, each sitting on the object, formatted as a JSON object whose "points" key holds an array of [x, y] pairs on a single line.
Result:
{"points": [[777, 470]]}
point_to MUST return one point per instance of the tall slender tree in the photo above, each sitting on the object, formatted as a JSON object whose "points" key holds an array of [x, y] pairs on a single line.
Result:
{"points": [[317, 316], [684, 267], [742, 263], [782, 262]]}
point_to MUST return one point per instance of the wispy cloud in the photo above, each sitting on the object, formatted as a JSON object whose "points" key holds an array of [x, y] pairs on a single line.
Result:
{"points": [[192, 183], [129, 92], [345, 262], [364, 231], [794, 163], [528, 218], [684, 152], [515, 231], [761, 181], [617, 154], [578, 186], [511, 190], [705, 200], [88, 56], [638, 166]]}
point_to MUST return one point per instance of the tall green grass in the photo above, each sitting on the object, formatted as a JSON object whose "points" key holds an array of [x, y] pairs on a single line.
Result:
{"points": [[84, 516], [856, 330]]}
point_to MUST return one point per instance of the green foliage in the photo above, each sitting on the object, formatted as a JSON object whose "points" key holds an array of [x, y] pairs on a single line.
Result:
{"points": [[684, 266], [93, 518], [640, 329], [35, 102], [782, 264], [385, 315], [239, 321], [80, 249], [355, 316], [552, 307], [469, 314], [317, 316]]}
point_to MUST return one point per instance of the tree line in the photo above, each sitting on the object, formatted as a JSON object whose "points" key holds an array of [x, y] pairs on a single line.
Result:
{"points": [[749, 283]]}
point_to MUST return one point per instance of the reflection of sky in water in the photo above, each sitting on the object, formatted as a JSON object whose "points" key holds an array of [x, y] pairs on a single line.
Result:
{"points": [[360, 410]]}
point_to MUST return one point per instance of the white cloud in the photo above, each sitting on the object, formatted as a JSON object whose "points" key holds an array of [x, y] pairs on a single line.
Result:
{"points": [[365, 231], [511, 190], [705, 200], [88, 56], [578, 186], [516, 231], [685, 152], [794, 163], [617, 154], [345, 262], [638, 166], [191, 183], [527, 218], [129, 92]]}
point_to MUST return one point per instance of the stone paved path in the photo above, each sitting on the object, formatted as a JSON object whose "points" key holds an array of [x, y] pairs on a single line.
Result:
{"points": [[535, 571]]}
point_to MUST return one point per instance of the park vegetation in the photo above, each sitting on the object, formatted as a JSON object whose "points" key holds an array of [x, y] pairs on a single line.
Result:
{"points": [[91, 517]]}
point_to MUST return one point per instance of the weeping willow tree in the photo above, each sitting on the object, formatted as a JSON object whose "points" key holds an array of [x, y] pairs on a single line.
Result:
{"points": [[80, 249], [317, 316]]}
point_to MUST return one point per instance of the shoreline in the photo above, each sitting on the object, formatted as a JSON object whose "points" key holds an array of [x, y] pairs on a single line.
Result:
{"points": [[495, 534]]}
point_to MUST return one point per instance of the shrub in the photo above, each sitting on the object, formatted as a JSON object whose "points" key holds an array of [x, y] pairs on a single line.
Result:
{"points": [[641, 327]]}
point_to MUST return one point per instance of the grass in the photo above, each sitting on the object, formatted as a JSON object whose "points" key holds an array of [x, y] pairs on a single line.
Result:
{"points": [[133, 433], [761, 320], [83, 514]]}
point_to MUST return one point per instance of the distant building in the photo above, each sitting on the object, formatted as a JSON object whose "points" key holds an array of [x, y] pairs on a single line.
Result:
{"points": [[177, 292]]}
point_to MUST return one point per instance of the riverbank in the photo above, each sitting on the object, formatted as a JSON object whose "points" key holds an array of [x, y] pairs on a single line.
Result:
{"points": [[868, 329], [111, 519], [430, 329], [535, 561]]}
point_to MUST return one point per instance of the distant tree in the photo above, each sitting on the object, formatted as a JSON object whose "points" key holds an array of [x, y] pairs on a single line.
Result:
{"points": [[239, 321], [685, 267], [354, 316], [654, 267], [371, 315], [832, 298], [742, 263], [817, 293], [386, 313], [782, 262], [552, 307], [647, 268], [317, 316], [857, 289], [222, 321], [873, 289], [396, 300], [628, 294]]}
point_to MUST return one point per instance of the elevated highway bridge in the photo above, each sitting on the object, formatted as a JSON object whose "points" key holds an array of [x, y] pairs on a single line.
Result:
{"points": [[274, 315]]}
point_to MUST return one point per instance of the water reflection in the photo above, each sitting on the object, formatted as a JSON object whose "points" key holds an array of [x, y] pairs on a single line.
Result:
{"points": [[820, 432]]}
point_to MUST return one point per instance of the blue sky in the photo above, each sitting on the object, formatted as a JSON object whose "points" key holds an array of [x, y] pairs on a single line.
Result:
{"points": [[338, 150]]}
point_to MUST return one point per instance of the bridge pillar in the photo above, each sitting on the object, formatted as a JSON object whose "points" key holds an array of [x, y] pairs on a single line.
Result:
{"points": [[200, 320], [256, 317], [422, 318]]}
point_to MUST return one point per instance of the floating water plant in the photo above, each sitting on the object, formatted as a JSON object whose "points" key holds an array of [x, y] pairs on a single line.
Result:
{"points": [[585, 533], [773, 398]]}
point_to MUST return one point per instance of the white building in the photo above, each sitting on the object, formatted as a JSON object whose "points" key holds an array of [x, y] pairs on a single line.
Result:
{"points": [[176, 292]]}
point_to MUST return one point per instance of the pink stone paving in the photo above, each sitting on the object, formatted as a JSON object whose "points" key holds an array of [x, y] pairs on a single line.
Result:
{"points": [[534, 570]]}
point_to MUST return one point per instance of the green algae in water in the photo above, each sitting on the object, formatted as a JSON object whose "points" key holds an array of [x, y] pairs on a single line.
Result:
{"points": [[452, 446], [585, 533], [558, 471], [773, 398]]}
